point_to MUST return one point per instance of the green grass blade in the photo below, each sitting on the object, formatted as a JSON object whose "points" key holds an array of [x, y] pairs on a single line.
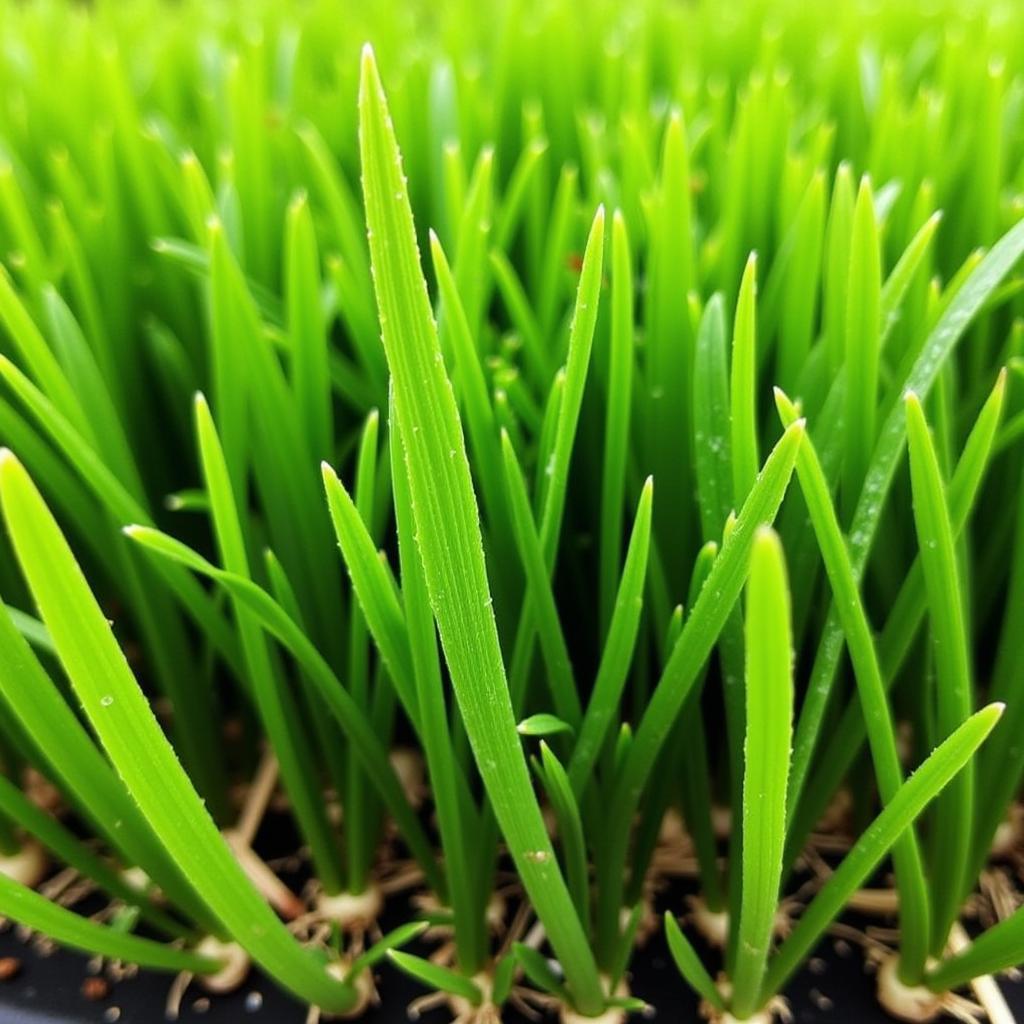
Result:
{"points": [[743, 387], [561, 681], [357, 727], [689, 965], [766, 763], [699, 634], [999, 948], [570, 830], [863, 320], [873, 704], [712, 455], [449, 537], [913, 796], [617, 416], [436, 977], [72, 851], [28, 908], [618, 649], [307, 335], [954, 697], [274, 700], [949, 328], [121, 716]]}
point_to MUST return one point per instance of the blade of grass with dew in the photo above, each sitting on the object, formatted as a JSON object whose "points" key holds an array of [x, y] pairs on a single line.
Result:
{"points": [[913, 796], [449, 540], [951, 836], [87, 779], [73, 852], [766, 763], [455, 816], [570, 829], [118, 711], [712, 443], [699, 634]]}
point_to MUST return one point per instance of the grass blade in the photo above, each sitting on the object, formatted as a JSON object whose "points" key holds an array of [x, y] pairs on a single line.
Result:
{"points": [[954, 700], [450, 544], [766, 763], [121, 717]]}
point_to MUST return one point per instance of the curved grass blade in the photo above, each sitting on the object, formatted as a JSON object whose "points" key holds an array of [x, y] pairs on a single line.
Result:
{"points": [[690, 966], [997, 949], [129, 732], [436, 977], [913, 796], [28, 908], [274, 701], [357, 727]]}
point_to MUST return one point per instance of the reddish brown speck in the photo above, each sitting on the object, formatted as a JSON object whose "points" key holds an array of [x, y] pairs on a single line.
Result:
{"points": [[10, 967], [95, 989]]}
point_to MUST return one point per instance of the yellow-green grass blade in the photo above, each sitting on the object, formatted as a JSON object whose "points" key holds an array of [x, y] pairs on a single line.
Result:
{"points": [[765, 763]]}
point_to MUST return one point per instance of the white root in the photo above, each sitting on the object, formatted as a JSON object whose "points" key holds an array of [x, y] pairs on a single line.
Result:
{"points": [[235, 969], [366, 993], [27, 865], [913, 1003], [353, 912]]}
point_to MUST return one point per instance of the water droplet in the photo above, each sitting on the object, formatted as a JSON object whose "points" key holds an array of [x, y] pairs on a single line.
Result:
{"points": [[106, 701]]}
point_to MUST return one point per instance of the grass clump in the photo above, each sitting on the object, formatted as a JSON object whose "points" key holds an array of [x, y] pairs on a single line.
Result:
{"points": [[622, 414]]}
